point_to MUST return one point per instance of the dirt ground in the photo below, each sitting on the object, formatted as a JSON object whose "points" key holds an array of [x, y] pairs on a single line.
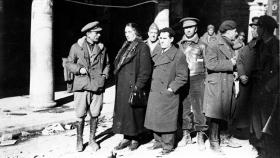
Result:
{"points": [[62, 145]]}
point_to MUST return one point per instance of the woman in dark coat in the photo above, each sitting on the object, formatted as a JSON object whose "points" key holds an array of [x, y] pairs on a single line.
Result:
{"points": [[133, 71]]}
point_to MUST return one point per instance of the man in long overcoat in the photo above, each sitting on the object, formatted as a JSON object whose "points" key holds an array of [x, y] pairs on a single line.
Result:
{"points": [[89, 63], [169, 74], [265, 90], [220, 63]]}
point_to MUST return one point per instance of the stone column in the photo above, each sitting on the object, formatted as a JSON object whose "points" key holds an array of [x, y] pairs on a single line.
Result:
{"points": [[162, 17], [41, 65], [1, 43], [257, 8]]}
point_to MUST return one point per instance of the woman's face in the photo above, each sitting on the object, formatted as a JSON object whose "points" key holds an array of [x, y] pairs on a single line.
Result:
{"points": [[130, 33]]}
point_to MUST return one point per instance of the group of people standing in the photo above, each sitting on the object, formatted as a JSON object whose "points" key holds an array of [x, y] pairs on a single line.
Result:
{"points": [[190, 85]]}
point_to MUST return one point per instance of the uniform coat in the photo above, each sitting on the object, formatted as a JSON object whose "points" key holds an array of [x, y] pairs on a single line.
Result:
{"points": [[128, 120], [219, 80], [170, 71], [79, 57]]}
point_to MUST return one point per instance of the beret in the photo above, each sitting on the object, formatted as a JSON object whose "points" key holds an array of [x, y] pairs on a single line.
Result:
{"points": [[210, 26], [93, 26], [227, 25], [189, 21]]}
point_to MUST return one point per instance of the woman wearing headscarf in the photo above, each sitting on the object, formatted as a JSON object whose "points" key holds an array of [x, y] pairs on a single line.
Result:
{"points": [[133, 71]]}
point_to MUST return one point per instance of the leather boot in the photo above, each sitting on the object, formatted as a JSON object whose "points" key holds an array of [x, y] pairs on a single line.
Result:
{"points": [[93, 127], [214, 138], [200, 141], [80, 130], [186, 138]]}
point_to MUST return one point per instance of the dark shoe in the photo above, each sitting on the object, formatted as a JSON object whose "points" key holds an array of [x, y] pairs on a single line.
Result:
{"points": [[166, 151], [92, 141], [123, 144], [200, 141], [80, 129], [134, 145], [155, 146], [187, 139]]}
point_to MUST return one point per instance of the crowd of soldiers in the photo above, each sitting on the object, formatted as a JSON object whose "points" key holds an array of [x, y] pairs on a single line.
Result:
{"points": [[209, 86]]}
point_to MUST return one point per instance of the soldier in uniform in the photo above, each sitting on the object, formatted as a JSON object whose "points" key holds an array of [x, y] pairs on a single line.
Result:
{"points": [[192, 96], [89, 63]]}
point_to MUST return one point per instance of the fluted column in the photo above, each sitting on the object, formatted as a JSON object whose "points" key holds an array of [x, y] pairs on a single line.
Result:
{"points": [[162, 17], [41, 65], [257, 8]]}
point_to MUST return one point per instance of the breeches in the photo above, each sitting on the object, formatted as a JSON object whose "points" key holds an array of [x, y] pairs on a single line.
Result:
{"points": [[87, 101]]}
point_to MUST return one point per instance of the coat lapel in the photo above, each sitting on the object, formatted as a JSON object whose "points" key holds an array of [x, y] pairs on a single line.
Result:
{"points": [[86, 54], [225, 49], [167, 57]]}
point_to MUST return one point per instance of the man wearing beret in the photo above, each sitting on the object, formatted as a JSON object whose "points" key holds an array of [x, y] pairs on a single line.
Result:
{"points": [[210, 35], [89, 63], [192, 95], [220, 63], [265, 116]]}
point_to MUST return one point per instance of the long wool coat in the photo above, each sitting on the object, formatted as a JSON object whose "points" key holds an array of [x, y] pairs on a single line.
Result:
{"points": [[128, 120], [219, 80], [265, 89], [170, 71]]}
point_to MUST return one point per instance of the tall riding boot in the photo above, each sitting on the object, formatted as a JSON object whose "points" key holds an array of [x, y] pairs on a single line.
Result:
{"points": [[92, 141], [80, 130], [200, 140], [214, 137]]}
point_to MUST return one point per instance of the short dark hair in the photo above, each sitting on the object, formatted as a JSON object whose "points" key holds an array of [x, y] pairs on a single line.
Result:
{"points": [[169, 30]]}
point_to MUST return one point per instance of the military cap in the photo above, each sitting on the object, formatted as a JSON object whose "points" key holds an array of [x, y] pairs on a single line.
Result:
{"points": [[227, 25], [267, 22], [154, 26], [255, 19], [92, 26], [210, 27], [189, 21]]}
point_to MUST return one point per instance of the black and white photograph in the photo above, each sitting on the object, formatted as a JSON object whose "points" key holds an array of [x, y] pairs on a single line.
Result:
{"points": [[139, 78]]}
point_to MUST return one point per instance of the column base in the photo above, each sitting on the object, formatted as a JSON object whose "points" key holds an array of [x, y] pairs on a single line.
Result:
{"points": [[42, 105]]}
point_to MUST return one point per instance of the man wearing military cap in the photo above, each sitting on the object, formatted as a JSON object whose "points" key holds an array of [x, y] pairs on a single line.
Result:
{"points": [[210, 35], [89, 63], [220, 62], [192, 95]]}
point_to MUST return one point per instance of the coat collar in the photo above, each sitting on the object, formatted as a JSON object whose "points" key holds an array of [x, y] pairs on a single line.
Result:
{"points": [[194, 39], [224, 47], [165, 58]]}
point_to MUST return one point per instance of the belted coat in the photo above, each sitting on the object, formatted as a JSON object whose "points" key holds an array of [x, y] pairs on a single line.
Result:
{"points": [[219, 80], [170, 71]]}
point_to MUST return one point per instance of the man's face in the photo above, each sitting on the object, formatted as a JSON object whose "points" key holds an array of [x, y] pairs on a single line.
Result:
{"points": [[130, 33], [254, 31], [190, 31], [231, 34], [93, 36], [153, 35], [165, 40], [210, 31]]}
